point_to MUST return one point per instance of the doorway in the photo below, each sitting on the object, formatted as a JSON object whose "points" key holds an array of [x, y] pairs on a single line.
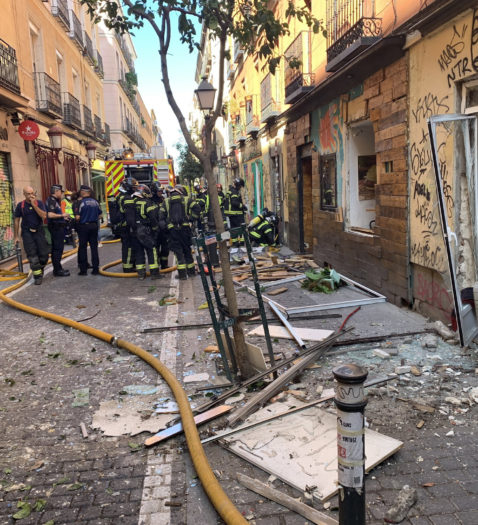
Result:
{"points": [[304, 192]]}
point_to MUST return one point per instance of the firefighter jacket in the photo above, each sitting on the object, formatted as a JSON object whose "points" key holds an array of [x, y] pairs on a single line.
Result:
{"points": [[174, 212], [142, 218], [233, 203], [261, 231]]}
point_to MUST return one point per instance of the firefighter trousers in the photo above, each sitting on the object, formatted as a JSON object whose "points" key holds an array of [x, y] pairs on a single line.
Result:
{"points": [[127, 255], [162, 247], [139, 250], [37, 250], [180, 241], [235, 221]]}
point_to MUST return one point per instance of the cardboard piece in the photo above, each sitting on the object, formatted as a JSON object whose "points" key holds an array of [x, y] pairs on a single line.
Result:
{"points": [[308, 334], [254, 354], [301, 449]]}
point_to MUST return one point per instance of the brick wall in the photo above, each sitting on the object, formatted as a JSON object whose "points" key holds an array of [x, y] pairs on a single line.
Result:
{"points": [[379, 261]]}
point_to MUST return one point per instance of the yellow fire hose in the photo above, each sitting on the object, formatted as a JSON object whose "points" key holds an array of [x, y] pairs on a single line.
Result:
{"points": [[223, 505]]}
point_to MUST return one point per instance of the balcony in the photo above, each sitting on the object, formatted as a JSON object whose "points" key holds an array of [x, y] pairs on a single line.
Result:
{"points": [[107, 135], [99, 66], [240, 134], [48, 95], [87, 121], [231, 70], [298, 81], [59, 9], [98, 129], [270, 107], [351, 28], [124, 49], [71, 111], [89, 52], [238, 52], [253, 124], [76, 31], [8, 68]]}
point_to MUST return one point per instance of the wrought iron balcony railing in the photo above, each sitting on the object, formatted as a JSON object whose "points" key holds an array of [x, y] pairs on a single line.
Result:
{"points": [[270, 107], [106, 135], [351, 27], [125, 51], [8, 68], [71, 110], [252, 114], [48, 95], [298, 81], [76, 31], [98, 129], [89, 52], [88, 121], [99, 66], [270, 112], [59, 9]]}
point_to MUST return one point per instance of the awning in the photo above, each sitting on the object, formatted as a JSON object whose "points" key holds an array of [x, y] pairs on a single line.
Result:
{"points": [[97, 176]]}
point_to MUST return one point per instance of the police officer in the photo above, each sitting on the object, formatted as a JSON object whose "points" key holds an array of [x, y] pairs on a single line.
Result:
{"points": [[142, 218], [56, 226], [88, 214], [175, 213], [162, 245], [234, 209], [31, 214]]}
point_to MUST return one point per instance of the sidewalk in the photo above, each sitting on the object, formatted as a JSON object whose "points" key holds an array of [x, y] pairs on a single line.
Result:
{"points": [[113, 480]]}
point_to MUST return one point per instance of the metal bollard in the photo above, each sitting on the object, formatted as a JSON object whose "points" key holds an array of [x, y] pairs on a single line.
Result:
{"points": [[350, 401], [18, 252]]}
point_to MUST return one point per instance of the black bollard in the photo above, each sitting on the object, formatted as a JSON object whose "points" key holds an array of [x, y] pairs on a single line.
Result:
{"points": [[350, 401]]}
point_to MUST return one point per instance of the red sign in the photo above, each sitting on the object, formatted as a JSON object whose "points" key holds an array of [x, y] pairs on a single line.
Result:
{"points": [[28, 130]]}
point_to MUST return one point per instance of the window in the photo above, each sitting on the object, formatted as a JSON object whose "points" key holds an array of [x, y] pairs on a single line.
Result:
{"points": [[328, 182], [60, 64], [76, 85], [469, 100]]}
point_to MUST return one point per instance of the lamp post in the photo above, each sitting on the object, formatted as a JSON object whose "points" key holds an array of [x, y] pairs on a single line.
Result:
{"points": [[91, 152], [55, 134], [205, 94]]}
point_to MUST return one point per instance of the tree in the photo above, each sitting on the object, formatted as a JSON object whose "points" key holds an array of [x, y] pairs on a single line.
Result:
{"points": [[250, 23], [189, 168]]}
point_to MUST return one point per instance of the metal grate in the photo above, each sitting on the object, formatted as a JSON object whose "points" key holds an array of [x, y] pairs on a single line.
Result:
{"points": [[88, 121], [8, 68], [76, 32], [71, 110], [59, 9], [98, 130], [7, 241]]}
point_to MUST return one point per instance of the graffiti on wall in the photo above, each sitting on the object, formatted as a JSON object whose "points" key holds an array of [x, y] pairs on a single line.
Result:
{"points": [[7, 247], [432, 92], [329, 129], [432, 292]]}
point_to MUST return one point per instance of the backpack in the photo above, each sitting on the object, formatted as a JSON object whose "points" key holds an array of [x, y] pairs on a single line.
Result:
{"points": [[177, 214]]}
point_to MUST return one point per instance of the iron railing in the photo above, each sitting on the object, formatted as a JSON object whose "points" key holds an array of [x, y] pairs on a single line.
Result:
{"points": [[347, 22], [270, 107], [125, 51], [48, 95], [106, 135], [71, 110], [98, 129], [252, 114], [99, 66], [89, 52], [76, 32], [8, 68], [88, 121], [59, 9], [298, 80]]}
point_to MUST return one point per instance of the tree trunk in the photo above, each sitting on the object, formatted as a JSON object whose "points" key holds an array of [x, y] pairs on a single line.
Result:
{"points": [[245, 367]]}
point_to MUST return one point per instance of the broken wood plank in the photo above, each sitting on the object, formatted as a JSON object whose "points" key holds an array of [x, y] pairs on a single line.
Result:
{"points": [[312, 264], [242, 277], [276, 386], [84, 432], [304, 510], [308, 334], [178, 428], [277, 291]]}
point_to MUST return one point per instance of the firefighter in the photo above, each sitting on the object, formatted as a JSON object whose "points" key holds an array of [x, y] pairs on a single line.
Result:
{"points": [[142, 219], [116, 206], [67, 207], [31, 213], [234, 209], [174, 213], [162, 245], [202, 198], [262, 228], [56, 225]]}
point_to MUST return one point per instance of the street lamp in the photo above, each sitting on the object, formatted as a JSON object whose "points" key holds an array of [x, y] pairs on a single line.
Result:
{"points": [[205, 94], [91, 152], [55, 134]]}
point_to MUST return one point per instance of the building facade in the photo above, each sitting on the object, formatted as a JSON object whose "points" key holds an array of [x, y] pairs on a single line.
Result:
{"points": [[50, 73]]}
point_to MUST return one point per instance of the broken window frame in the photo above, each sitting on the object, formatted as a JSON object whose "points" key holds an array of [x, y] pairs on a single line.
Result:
{"points": [[466, 321]]}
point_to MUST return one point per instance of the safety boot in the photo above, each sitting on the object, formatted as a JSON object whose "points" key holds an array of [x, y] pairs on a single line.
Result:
{"points": [[182, 274], [141, 275], [155, 274]]}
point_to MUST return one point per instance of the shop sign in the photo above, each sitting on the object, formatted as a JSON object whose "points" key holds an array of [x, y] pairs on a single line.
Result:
{"points": [[28, 130]]}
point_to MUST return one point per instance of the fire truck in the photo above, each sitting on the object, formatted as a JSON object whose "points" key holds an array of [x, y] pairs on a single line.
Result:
{"points": [[144, 170]]}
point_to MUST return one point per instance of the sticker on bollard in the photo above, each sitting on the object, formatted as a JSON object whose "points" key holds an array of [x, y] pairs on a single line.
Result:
{"points": [[350, 453]]}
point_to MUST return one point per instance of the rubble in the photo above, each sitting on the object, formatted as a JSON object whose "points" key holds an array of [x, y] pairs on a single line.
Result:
{"points": [[406, 498]]}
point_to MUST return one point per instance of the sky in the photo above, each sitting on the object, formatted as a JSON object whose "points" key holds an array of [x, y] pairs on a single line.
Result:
{"points": [[182, 67]]}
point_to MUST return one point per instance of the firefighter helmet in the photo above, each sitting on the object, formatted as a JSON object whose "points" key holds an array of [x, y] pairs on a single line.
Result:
{"points": [[156, 187], [238, 183], [144, 191], [219, 187]]}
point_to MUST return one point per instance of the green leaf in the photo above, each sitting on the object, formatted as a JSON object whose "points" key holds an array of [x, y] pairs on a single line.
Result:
{"points": [[134, 446], [151, 289], [7, 471], [49, 522], [24, 512], [61, 481], [75, 486], [39, 505]]}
